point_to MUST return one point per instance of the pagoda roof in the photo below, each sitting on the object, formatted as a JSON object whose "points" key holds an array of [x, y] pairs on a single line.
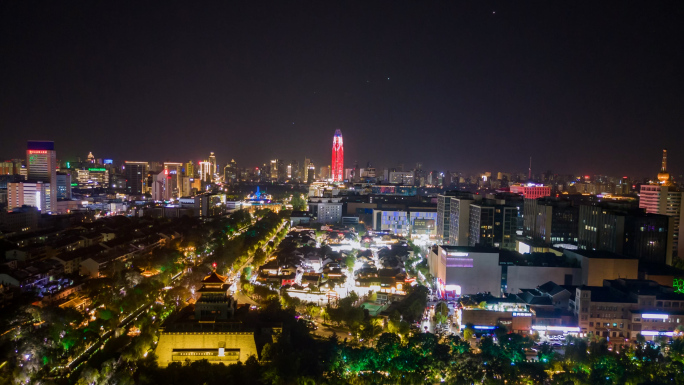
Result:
{"points": [[214, 278]]}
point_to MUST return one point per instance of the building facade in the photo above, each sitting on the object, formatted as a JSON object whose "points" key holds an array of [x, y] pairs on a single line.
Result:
{"points": [[337, 165], [41, 164]]}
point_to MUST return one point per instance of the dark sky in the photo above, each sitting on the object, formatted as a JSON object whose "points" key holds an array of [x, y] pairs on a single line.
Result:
{"points": [[584, 87]]}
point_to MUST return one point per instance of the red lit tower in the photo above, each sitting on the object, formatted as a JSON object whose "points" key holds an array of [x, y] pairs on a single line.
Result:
{"points": [[337, 165]]}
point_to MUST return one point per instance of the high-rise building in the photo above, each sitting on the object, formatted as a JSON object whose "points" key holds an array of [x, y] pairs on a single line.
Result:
{"points": [[136, 177], [531, 190], [666, 199], [443, 215], [230, 172], [274, 170], [63, 186], [622, 229], [41, 161], [205, 171], [551, 220], [307, 161], [175, 170], [162, 186], [190, 169], [29, 193], [311, 173], [337, 165], [324, 173], [492, 225], [458, 212], [212, 169]]}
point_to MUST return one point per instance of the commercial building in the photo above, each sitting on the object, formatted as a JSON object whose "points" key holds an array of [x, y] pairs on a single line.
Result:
{"points": [[443, 215], [551, 220], [473, 221], [459, 218], [492, 225], [405, 223], [465, 270], [337, 165], [401, 177], [531, 190], [213, 167], [136, 178], [174, 171], [29, 193], [19, 219], [470, 270], [63, 186], [627, 231], [162, 189], [41, 163], [230, 172], [624, 308], [205, 171], [664, 198], [326, 210], [598, 266]]}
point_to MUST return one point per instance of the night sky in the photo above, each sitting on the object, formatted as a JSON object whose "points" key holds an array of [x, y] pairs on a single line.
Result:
{"points": [[584, 87]]}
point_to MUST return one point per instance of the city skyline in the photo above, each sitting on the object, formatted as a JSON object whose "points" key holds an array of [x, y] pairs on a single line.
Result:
{"points": [[576, 88]]}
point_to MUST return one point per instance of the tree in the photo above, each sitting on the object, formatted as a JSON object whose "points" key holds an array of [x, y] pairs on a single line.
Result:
{"points": [[349, 262], [298, 203], [312, 310], [441, 313], [468, 332]]}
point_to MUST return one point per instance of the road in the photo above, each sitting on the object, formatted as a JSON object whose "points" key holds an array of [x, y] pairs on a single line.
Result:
{"points": [[238, 294]]}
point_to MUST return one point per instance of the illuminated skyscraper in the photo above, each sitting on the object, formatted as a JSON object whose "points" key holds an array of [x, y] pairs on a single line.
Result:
{"points": [[41, 160], [664, 198], [205, 171], [337, 165], [136, 177], [212, 169]]}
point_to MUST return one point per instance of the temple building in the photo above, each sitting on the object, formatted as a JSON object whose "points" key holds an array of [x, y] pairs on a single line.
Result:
{"points": [[211, 331]]}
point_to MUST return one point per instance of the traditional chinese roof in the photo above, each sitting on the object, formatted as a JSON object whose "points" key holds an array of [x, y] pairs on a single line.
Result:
{"points": [[214, 278]]}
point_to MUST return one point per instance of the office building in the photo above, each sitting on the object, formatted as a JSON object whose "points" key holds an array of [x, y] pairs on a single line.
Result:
{"points": [[622, 309], [175, 172], [63, 186], [162, 188], [205, 171], [443, 215], [326, 210], [41, 164], [136, 178], [189, 169], [531, 190], [405, 223], [337, 165], [459, 218], [628, 231], [666, 199], [213, 168], [10, 167], [492, 225], [552, 220], [230, 172], [29, 193], [401, 177]]}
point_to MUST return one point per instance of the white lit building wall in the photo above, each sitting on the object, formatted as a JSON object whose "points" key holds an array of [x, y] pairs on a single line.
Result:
{"points": [[35, 194], [665, 200]]}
